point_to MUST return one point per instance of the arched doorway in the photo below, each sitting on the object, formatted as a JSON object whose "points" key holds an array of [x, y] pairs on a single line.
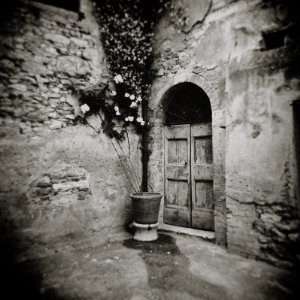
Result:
{"points": [[188, 158]]}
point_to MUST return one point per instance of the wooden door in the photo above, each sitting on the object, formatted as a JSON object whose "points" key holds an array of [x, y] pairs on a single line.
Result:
{"points": [[189, 200], [177, 204], [202, 207]]}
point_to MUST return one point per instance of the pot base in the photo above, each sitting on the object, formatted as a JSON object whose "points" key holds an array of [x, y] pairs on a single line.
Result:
{"points": [[145, 232]]}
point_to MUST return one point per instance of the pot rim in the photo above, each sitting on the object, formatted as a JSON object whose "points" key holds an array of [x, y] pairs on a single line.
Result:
{"points": [[145, 194]]}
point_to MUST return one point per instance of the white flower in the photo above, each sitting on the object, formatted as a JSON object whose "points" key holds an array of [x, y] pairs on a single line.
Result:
{"points": [[126, 119], [133, 104], [118, 78], [116, 108], [118, 113], [139, 99], [127, 95], [113, 93], [140, 120], [130, 118], [132, 97], [84, 108]]}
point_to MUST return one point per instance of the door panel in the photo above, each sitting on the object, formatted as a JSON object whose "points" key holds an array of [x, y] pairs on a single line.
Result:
{"points": [[202, 149], [202, 177], [177, 175], [177, 151], [204, 194]]}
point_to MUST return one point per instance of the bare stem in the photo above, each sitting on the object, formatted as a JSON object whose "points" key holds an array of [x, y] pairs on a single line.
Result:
{"points": [[125, 160]]}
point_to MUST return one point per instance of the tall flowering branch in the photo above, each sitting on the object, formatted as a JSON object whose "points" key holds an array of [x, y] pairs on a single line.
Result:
{"points": [[126, 32], [127, 29]]}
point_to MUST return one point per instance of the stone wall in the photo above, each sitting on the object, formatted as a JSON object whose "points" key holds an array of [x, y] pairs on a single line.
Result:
{"points": [[61, 184], [243, 55], [45, 51]]}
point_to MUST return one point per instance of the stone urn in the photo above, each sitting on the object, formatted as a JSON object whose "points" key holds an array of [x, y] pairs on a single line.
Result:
{"points": [[145, 207]]}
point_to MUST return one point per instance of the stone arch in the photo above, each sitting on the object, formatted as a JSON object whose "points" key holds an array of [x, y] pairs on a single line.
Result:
{"points": [[207, 84], [186, 103]]}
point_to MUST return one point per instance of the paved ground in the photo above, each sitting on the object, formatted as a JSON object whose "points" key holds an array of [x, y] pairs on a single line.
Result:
{"points": [[172, 268]]}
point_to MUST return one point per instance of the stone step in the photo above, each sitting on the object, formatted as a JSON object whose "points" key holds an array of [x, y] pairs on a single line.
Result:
{"points": [[203, 234]]}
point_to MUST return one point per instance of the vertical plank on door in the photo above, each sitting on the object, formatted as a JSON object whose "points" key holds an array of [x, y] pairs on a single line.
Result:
{"points": [[202, 177]]}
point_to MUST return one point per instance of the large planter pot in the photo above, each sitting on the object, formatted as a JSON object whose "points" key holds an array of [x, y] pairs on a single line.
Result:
{"points": [[146, 207]]}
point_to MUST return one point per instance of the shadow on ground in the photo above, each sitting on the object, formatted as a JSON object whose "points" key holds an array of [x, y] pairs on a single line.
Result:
{"points": [[22, 280], [171, 268], [168, 271]]}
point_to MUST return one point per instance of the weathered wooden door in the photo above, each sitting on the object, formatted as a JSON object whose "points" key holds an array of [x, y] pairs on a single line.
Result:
{"points": [[177, 175], [189, 176]]}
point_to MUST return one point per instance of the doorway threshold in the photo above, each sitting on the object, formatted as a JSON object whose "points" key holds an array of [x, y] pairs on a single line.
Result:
{"points": [[203, 234]]}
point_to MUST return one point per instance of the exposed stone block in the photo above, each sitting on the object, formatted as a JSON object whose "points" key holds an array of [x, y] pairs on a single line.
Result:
{"points": [[270, 218], [80, 43], [18, 87], [60, 180], [44, 181], [55, 124], [57, 38]]}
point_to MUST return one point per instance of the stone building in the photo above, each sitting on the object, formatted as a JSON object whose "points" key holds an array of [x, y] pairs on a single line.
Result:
{"points": [[241, 58], [224, 115]]}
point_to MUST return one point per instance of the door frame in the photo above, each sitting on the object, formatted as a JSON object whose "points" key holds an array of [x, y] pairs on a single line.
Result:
{"points": [[214, 90]]}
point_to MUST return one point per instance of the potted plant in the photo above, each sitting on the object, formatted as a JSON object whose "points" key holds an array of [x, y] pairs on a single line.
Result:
{"points": [[117, 109], [127, 30]]}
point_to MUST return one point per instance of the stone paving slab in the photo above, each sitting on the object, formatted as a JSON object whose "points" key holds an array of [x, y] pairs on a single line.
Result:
{"points": [[174, 267]]}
